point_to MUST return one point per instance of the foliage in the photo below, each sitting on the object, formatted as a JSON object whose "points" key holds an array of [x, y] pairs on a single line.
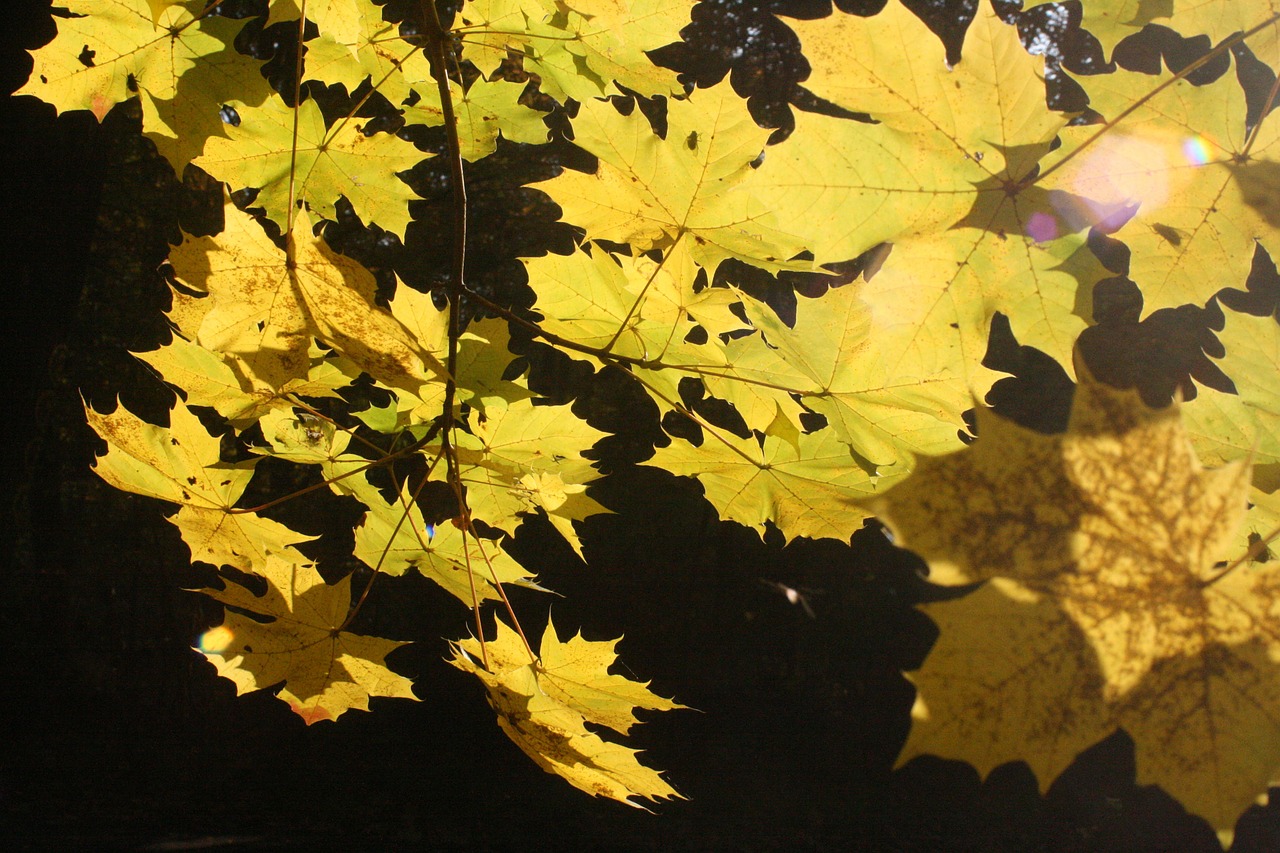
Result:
{"points": [[953, 189], [1107, 606]]}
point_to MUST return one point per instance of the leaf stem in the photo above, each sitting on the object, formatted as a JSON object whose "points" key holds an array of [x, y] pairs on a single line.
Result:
{"points": [[1254, 551]]}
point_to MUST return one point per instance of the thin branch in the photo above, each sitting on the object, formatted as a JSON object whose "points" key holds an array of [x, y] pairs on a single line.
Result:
{"points": [[1266, 110], [1138, 104], [297, 103]]}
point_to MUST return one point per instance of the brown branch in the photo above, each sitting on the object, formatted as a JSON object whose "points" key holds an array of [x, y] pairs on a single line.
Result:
{"points": [[1138, 104]]}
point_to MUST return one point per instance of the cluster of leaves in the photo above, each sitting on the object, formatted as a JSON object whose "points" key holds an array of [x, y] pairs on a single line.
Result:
{"points": [[960, 195]]}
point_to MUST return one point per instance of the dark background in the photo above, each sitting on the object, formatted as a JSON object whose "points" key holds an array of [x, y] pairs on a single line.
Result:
{"points": [[118, 735]]}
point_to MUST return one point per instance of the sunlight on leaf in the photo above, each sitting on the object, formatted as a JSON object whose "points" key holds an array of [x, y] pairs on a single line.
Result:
{"points": [[325, 671], [1103, 608], [542, 706]]}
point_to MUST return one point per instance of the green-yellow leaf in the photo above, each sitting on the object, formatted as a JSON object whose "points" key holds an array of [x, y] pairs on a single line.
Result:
{"points": [[972, 234], [394, 538], [290, 155], [694, 185], [1112, 20], [508, 444], [633, 307], [1180, 157], [393, 66], [124, 41], [341, 19], [482, 111], [179, 464], [185, 69], [575, 673], [579, 53], [808, 488], [1245, 425], [835, 362], [219, 381], [981, 124]]}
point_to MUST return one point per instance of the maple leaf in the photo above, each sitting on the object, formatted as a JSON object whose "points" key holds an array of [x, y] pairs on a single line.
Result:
{"points": [[834, 364], [482, 111], [325, 669], [267, 304], [218, 380], [521, 459], [972, 235], [808, 487], [121, 40], [1105, 605], [631, 306], [394, 67], [394, 537], [183, 64], [543, 704], [341, 19], [1201, 181], [1244, 425], [181, 464], [980, 122], [290, 155], [694, 184], [484, 357], [580, 53], [1110, 21]]}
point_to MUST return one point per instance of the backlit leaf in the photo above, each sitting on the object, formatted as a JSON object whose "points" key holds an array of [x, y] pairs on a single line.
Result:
{"points": [[542, 706], [326, 671], [1105, 606]]}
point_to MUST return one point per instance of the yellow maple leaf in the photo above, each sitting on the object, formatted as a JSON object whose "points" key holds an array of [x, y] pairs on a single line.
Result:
{"points": [[972, 235], [694, 185], [341, 19], [291, 155], [483, 110], [120, 40], [839, 368], [581, 51], [1225, 427], [394, 538], [807, 487], [219, 380], [181, 464], [514, 452], [326, 671], [1113, 20], [631, 306], [267, 305], [1105, 605], [180, 60], [977, 126], [543, 705], [1202, 182]]}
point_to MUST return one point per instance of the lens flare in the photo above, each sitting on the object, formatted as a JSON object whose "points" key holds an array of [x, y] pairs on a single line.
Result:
{"points": [[1196, 150], [215, 640], [1042, 227], [1127, 170]]}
